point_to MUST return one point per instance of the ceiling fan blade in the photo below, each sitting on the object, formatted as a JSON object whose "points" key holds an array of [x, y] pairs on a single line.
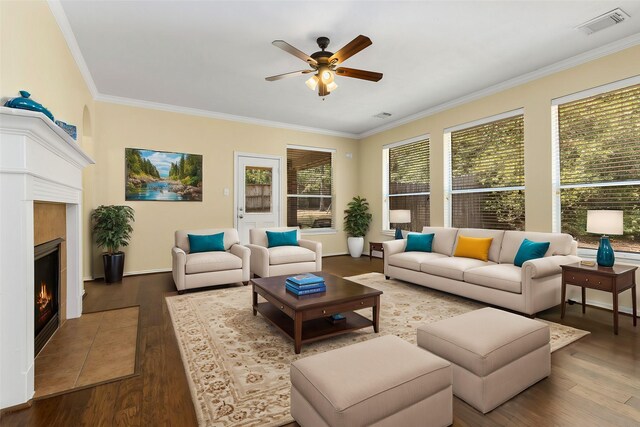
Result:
{"points": [[359, 74], [351, 48], [293, 51], [285, 75]]}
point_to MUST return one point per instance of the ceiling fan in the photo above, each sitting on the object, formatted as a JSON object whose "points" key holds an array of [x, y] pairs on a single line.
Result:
{"points": [[324, 64]]}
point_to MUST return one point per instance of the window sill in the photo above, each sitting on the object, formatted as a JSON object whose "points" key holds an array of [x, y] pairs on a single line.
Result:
{"points": [[392, 233], [621, 257], [314, 231]]}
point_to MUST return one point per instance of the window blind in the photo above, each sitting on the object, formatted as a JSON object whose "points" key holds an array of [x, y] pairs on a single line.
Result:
{"points": [[309, 188], [409, 184], [487, 175], [599, 158]]}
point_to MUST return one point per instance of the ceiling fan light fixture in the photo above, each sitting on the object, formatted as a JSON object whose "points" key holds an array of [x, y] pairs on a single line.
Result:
{"points": [[327, 76], [324, 64], [312, 82]]}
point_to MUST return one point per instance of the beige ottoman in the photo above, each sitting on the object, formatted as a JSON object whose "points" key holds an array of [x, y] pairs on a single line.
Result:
{"points": [[495, 354], [381, 382]]}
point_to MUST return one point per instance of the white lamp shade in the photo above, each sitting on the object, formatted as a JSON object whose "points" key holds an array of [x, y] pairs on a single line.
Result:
{"points": [[312, 83], [400, 216], [604, 222]]}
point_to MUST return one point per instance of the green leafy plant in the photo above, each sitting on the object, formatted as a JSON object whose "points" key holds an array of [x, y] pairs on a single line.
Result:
{"points": [[112, 226], [357, 217]]}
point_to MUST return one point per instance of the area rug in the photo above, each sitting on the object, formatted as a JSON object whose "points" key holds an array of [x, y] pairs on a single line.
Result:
{"points": [[237, 364]]}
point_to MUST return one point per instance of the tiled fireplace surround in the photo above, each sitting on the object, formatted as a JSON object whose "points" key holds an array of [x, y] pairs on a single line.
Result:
{"points": [[41, 184]]}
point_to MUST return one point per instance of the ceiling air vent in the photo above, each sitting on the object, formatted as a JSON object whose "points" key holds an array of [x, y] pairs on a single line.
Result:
{"points": [[382, 115], [609, 19]]}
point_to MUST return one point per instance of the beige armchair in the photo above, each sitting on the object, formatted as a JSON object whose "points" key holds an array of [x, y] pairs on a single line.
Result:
{"points": [[281, 260], [196, 270]]}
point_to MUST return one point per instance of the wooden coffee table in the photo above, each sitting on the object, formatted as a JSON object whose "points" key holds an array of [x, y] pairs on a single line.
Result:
{"points": [[304, 318]]}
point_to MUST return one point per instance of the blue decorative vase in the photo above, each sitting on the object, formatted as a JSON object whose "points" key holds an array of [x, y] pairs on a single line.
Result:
{"points": [[398, 233], [24, 103], [605, 257]]}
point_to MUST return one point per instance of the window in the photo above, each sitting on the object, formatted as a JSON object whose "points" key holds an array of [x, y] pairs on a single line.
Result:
{"points": [[597, 144], [310, 188], [406, 181], [257, 189], [486, 184]]}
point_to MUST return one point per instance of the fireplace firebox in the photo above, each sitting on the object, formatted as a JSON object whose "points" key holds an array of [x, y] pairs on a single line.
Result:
{"points": [[46, 291]]}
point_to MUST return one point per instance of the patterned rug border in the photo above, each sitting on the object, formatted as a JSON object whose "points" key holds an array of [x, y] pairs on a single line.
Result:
{"points": [[210, 360]]}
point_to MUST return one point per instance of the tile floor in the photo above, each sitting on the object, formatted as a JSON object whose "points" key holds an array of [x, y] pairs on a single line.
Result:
{"points": [[94, 348]]}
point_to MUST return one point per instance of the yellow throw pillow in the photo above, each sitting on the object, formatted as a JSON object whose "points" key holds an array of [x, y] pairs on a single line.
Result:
{"points": [[473, 247]]}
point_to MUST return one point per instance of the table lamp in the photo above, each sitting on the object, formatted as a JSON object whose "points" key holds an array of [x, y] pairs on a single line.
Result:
{"points": [[399, 216], [605, 222]]}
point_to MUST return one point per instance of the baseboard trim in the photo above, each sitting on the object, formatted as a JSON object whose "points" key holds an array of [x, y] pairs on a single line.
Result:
{"points": [[166, 270], [598, 304], [133, 273], [152, 271], [14, 408], [335, 254], [604, 306]]}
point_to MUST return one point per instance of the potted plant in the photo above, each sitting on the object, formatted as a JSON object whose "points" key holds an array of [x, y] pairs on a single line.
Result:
{"points": [[356, 224], [112, 230]]}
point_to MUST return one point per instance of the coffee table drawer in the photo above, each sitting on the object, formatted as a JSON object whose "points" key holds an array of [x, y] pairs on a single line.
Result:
{"points": [[277, 304], [286, 310], [338, 308]]}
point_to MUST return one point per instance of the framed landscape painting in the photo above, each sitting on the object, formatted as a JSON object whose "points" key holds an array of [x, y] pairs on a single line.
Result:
{"points": [[162, 175]]}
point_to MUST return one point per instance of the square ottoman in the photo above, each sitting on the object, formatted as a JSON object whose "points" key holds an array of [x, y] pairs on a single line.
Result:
{"points": [[381, 382], [494, 354]]}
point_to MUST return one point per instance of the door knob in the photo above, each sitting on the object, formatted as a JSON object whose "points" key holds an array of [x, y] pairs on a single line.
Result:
{"points": [[240, 216]]}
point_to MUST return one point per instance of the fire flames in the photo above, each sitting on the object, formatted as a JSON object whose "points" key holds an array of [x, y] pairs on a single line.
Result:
{"points": [[44, 297]]}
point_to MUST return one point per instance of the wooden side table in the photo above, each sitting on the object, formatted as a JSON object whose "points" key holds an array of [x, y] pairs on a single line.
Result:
{"points": [[376, 246], [614, 279]]}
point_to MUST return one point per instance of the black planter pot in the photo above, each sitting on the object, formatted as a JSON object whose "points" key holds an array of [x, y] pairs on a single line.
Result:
{"points": [[113, 267]]}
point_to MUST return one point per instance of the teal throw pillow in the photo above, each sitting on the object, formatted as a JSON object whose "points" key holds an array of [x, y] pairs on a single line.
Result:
{"points": [[418, 242], [530, 250], [282, 238], [206, 243]]}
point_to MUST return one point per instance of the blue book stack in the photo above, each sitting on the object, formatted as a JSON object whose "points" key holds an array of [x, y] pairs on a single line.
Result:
{"points": [[305, 284]]}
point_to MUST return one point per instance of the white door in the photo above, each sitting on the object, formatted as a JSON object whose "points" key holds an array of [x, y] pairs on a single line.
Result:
{"points": [[257, 198]]}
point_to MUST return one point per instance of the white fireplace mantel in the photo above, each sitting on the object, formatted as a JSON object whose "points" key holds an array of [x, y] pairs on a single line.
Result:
{"points": [[38, 162]]}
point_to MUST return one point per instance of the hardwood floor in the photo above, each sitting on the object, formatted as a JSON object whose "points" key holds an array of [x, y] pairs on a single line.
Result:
{"points": [[594, 382]]}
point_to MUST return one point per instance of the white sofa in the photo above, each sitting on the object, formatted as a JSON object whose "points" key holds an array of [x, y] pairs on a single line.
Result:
{"points": [[281, 260], [528, 289], [209, 268]]}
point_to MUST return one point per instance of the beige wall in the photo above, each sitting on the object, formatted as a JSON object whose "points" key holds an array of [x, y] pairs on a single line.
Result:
{"points": [[535, 97], [122, 126], [39, 61], [34, 56]]}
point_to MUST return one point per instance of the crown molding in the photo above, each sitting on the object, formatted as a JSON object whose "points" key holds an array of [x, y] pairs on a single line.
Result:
{"points": [[565, 64], [61, 18], [65, 27], [221, 116]]}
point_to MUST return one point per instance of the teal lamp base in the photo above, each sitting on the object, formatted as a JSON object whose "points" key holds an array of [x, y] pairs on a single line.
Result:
{"points": [[398, 234], [605, 256]]}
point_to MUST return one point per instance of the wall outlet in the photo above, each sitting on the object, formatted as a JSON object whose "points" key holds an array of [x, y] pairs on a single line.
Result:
{"points": [[225, 192]]}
